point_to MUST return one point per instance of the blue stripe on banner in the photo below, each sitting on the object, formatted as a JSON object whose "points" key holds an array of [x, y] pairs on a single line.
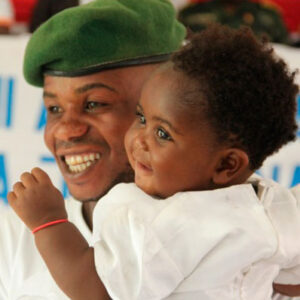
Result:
{"points": [[10, 98], [48, 159], [65, 190], [3, 179], [296, 177], [275, 173]]}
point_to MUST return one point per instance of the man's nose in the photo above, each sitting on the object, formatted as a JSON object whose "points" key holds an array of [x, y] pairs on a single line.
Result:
{"points": [[71, 127]]}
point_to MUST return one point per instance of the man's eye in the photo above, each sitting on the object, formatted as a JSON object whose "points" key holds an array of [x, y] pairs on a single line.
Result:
{"points": [[92, 105], [163, 134], [54, 109], [140, 117]]}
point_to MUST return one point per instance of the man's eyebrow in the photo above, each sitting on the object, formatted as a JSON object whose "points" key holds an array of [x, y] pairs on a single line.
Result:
{"points": [[95, 85], [139, 106], [48, 95], [168, 123]]}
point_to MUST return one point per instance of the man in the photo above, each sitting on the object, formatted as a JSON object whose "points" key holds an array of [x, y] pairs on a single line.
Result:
{"points": [[92, 61]]}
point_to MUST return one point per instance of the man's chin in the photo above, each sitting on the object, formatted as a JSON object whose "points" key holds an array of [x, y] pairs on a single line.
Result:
{"points": [[86, 197], [86, 200], [125, 177]]}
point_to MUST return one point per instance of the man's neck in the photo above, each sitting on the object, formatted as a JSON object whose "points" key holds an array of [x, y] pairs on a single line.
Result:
{"points": [[87, 212]]}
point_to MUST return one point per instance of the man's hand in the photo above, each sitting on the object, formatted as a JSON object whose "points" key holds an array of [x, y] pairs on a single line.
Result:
{"points": [[36, 200]]}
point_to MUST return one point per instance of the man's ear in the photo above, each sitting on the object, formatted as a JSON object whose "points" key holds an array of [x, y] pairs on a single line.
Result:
{"points": [[232, 167]]}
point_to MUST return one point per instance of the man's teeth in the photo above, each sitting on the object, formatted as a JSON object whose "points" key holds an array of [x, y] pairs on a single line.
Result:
{"points": [[78, 163]]}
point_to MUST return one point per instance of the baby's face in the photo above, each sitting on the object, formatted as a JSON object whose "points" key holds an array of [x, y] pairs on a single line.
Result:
{"points": [[169, 150]]}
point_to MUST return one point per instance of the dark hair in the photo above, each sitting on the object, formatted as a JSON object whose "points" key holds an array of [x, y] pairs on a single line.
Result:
{"points": [[250, 93]]}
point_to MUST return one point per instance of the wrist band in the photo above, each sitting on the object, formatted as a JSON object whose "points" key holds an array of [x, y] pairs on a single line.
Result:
{"points": [[49, 224]]}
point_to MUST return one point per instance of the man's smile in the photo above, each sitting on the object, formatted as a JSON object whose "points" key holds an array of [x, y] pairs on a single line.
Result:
{"points": [[80, 162]]}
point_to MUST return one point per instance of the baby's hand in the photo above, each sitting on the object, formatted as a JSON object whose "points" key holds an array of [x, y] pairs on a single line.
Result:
{"points": [[36, 200]]}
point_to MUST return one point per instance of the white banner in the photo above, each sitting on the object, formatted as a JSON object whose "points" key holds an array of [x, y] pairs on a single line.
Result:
{"points": [[23, 117], [22, 120]]}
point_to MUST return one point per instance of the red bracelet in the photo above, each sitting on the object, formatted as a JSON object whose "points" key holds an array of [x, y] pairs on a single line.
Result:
{"points": [[49, 224]]}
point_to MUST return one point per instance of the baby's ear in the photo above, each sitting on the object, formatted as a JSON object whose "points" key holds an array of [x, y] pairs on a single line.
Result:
{"points": [[232, 167]]}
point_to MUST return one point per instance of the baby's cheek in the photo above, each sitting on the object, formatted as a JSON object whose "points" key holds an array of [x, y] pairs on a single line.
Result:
{"points": [[129, 145]]}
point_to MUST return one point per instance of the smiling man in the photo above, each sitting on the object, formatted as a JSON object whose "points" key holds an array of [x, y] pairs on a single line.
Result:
{"points": [[91, 61]]}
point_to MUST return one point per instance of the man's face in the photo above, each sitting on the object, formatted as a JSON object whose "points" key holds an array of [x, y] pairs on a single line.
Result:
{"points": [[87, 120]]}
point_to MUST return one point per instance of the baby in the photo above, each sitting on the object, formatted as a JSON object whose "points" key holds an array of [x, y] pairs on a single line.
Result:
{"points": [[196, 224]]}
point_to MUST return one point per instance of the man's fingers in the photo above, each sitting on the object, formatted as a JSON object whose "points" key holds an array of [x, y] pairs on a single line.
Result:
{"points": [[27, 179], [40, 175]]}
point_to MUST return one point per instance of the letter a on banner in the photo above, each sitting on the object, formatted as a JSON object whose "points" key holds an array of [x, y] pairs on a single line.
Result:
{"points": [[43, 118]]}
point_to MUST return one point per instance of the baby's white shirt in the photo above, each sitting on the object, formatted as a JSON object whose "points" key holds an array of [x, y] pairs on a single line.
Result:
{"points": [[228, 244]]}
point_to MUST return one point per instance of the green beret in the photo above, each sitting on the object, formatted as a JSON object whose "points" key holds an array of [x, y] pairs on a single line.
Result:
{"points": [[101, 35]]}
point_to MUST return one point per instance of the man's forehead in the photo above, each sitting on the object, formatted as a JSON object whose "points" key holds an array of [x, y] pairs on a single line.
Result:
{"points": [[116, 80], [61, 85], [107, 79]]}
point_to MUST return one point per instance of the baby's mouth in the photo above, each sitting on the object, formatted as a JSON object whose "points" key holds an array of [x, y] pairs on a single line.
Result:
{"points": [[81, 162], [144, 166]]}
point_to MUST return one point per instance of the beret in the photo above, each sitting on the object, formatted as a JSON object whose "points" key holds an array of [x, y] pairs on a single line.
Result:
{"points": [[100, 35]]}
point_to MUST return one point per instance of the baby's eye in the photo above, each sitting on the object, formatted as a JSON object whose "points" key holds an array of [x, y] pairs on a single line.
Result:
{"points": [[54, 109], [140, 117], [163, 134]]}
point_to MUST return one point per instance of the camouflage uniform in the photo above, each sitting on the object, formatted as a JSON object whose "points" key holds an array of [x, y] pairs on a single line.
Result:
{"points": [[260, 18]]}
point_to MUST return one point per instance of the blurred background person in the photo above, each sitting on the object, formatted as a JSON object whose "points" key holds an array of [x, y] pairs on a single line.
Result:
{"points": [[22, 15], [263, 19], [290, 11], [6, 16], [44, 9]]}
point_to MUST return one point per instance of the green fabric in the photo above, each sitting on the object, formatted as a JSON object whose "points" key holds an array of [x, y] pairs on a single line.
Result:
{"points": [[261, 19], [100, 33]]}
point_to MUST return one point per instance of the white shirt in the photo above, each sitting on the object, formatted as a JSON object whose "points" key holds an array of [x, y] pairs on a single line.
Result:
{"points": [[23, 273], [227, 244]]}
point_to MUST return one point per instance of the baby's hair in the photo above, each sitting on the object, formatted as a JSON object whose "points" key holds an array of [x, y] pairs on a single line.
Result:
{"points": [[250, 94]]}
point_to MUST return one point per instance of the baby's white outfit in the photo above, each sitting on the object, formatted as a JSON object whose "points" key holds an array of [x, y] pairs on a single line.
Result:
{"points": [[230, 243]]}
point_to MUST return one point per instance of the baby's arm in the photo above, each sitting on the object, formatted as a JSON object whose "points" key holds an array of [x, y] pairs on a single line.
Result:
{"points": [[65, 251], [288, 290]]}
